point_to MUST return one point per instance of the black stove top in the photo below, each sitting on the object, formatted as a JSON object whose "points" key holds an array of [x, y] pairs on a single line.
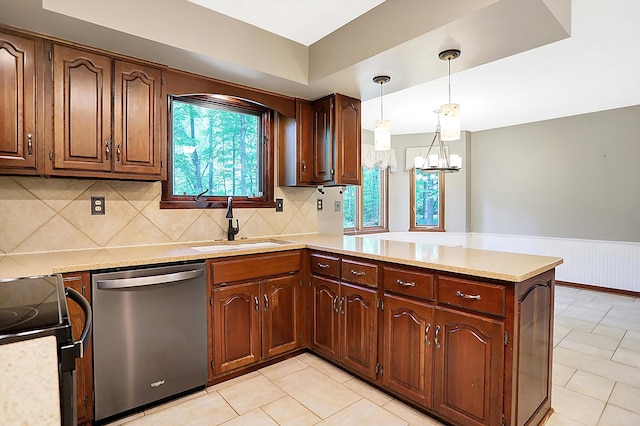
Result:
{"points": [[31, 304]]}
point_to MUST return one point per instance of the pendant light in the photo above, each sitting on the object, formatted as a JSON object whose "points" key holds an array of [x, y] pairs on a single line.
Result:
{"points": [[438, 159], [449, 116], [382, 127]]}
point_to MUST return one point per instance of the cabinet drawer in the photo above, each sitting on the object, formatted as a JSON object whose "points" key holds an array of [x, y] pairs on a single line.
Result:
{"points": [[322, 264], [472, 295], [360, 272], [246, 268], [409, 283]]}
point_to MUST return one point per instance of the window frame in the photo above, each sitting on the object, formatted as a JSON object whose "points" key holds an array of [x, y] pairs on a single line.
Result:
{"points": [[412, 205], [170, 201], [359, 213]]}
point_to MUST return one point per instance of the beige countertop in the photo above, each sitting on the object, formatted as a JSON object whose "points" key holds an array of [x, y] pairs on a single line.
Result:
{"points": [[481, 263]]}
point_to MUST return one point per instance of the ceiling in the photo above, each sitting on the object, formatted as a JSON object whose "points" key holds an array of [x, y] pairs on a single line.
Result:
{"points": [[522, 60]]}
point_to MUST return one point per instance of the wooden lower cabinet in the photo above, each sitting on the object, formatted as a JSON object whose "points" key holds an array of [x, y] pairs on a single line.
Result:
{"points": [[408, 354], [236, 328], [468, 368], [325, 322], [254, 321], [81, 282], [345, 324], [359, 329], [280, 328]]}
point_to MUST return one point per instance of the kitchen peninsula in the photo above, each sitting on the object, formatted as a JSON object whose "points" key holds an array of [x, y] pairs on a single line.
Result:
{"points": [[463, 334]]}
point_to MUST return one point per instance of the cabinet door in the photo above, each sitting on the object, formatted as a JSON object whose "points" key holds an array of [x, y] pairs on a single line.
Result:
{"points": [[348, 140], [304, 138], [136, 115], [323, 140], [18, 95], [325, 333], [81, 110], [279, 315], [84, 372], [408, 353], [469, 360], [236, 326], [359, 335]]}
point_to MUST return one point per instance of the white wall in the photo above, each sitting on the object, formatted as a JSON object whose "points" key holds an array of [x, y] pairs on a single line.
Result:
{"points": [[574, 177]]}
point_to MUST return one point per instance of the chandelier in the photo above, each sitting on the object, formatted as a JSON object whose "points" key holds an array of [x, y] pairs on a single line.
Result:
{"points": [[438, 159]]}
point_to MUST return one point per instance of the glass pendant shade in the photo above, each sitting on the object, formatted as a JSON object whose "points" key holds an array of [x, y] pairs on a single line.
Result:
{"points": [[450, 122], [382, 135]]}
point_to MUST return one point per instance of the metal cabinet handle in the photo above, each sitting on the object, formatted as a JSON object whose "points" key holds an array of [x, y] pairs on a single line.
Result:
{"points": [[266, 302], [406, 283], [426, 334], [304, 166], [467, 296], [322, 265], [341, 306], [30, 145], [335, 300], [257, 304], [118, 152], [436, 338], [107, 150], [358, 273]]}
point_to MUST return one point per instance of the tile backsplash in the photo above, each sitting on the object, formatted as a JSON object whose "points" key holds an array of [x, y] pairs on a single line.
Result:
{"points": [[46, 214]]}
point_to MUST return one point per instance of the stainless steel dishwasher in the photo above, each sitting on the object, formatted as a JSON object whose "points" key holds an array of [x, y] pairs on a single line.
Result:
{"points": [[149, 335]]}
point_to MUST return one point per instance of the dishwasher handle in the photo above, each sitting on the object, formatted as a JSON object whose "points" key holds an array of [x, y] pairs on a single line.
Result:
{"points": [[123, 283]]}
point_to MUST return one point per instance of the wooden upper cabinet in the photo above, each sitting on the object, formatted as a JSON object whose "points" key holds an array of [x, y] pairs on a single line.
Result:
{"points": [[18, 92], [81, 110], [323, 141], [325, 147], [95, 135], [137, 137], [348, 136]]}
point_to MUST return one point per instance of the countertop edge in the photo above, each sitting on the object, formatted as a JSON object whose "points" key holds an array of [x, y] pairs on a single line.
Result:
{"points": [[111, 258]]}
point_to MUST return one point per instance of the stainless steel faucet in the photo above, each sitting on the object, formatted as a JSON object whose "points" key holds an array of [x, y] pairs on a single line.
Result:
{"points": [[231, 232]]}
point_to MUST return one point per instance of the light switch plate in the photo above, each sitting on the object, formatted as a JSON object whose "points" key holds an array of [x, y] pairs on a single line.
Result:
{"points": [[338, 205], [97, 205], [319, 204], [279, 204]]}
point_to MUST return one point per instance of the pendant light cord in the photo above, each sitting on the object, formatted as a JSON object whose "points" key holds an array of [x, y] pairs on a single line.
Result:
{"points": [[449, 62], [381, 110]]}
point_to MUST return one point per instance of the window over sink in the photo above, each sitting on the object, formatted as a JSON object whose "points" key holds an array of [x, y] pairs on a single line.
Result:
{"points": [[219, 147]]}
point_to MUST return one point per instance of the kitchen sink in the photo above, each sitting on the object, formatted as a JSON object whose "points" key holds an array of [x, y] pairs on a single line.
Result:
{"points": [[232, 246]]}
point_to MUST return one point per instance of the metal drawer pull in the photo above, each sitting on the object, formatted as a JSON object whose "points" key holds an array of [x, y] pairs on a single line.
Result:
{"points": [[436, 339], [322, 265], [426, 334], [406, 284], [335, 300], [266, 302], [358, 274], [30, 145], [107, 150], [257, 303], [467, 296], [341, 303]]}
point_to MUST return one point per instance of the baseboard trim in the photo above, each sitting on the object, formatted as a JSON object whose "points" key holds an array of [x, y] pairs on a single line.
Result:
{"points": [[599, 288]]}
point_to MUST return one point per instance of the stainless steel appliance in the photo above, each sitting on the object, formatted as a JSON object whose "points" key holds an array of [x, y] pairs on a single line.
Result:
{"points": [[35, 307], [150, 335]]}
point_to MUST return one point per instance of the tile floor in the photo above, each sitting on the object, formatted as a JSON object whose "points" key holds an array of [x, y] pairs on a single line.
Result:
{"points": [[596, 380]]}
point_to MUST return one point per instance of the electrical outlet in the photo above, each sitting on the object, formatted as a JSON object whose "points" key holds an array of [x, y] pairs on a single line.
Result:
{"points": [[279, 204], [97, 205], [319, 204], [338, 205]]}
